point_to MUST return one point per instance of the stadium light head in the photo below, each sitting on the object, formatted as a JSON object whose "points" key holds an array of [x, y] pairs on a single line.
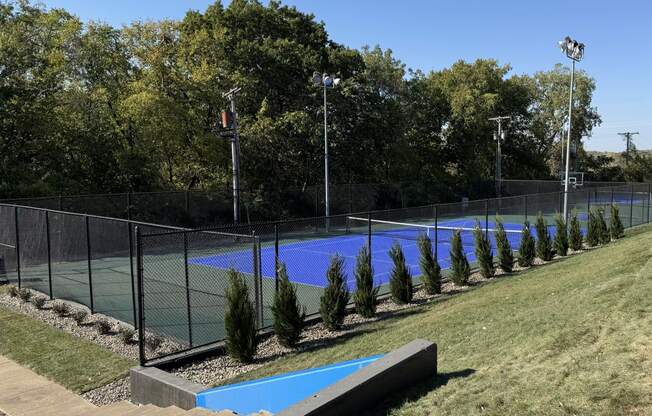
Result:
{"points": [[572, 48]]}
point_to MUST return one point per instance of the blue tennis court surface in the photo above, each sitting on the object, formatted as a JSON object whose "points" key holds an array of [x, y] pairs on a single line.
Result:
{"points": [[307, 261]]}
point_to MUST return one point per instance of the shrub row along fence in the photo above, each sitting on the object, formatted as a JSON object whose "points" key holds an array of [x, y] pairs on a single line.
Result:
{"points": [[177, 277], [183, 274]]}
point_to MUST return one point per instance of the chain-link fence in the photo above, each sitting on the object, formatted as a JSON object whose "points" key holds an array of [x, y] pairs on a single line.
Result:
{"points": [[183, 273]]}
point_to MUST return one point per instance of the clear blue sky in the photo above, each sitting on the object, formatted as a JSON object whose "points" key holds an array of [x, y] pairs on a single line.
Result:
{"points": [[433, 34]]}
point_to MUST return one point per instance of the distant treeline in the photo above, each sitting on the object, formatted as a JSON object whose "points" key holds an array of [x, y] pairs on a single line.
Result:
{"points": [[88, 108]]}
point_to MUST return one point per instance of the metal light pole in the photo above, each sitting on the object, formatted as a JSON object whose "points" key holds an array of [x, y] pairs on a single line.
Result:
{"points": [[326, 81], [235, 154], [575, 52], [499, 155]]}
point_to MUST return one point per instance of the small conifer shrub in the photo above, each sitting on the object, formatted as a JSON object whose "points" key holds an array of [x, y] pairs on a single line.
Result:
{"points": [[544, 245], [366, 295], [400, 280], [459, 263], [616, 229], [561, 236], [575, 238], [336, 295], [289, 315], [504, 248], [239, 320], [430, 270], [526, 250]]}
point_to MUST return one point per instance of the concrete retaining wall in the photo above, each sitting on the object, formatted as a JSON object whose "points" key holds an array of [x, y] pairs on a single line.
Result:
{"points": [[160, 388], [363, 389]]}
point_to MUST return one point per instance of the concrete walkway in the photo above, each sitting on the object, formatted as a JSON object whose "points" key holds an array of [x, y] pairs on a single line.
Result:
{"points": [[25, 393]]}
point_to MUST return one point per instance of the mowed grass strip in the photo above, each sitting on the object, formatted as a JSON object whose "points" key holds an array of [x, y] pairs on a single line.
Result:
{"points": [[76, 364], [570, 338]]}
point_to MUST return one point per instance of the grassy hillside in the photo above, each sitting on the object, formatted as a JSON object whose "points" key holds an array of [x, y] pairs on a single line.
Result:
{"points": [[570, 338]]}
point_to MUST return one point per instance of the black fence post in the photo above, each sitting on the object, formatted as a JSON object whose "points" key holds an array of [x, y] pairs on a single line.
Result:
{"points": [[185, 266], [525, 203], [131, 273], [612, 195], [257, 299], [369, 230], [141, 315], [47, 236], [486, 218], [17, 246], [436, 242], [60, 203], [631, 207], [276, 259], [649, 195], [88, 258], [562, 196], [187, 202], [588, 203], [129, 209]]}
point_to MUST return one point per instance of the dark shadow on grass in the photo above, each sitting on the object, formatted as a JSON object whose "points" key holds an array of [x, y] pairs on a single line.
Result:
{"points": [[417, 391]]}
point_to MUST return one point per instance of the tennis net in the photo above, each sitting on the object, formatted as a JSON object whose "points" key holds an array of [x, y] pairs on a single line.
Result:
{"points": [[412, 231]]}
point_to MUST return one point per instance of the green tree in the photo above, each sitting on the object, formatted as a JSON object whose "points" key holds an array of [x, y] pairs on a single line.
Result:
{"points": [[544, 245], [483, 252], [400, 279], [459, 263], [602, 230], [575, 234], [430, 270], [561, 236], [240, 320], [616, 229], [289, 315], [504, 248], [593, 230], [336, 295], [365, 296], [526, 250]]}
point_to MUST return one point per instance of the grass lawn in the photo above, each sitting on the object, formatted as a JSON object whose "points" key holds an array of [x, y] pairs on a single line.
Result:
{"points": [[570, 338], [74, 363]]}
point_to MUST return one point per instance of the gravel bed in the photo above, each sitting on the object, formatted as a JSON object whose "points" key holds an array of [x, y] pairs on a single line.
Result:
{"points": [[111, 393]]}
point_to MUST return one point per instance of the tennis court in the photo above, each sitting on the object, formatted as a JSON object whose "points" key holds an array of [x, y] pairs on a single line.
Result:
{"points": [[307, 261]]}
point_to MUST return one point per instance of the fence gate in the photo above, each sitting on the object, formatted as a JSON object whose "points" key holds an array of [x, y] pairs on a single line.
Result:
{"points": [[183, 278]]}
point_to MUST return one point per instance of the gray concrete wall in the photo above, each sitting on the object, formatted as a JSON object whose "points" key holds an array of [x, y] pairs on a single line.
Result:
{"points": [[365, 388], [160, 388]]}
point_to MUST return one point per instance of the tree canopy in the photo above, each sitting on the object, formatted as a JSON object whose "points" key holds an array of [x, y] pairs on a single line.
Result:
{"points": [[86, 107]]}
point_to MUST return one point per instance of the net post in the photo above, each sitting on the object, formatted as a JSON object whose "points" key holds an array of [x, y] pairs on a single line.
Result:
{"points": [[17, 246], [369, 236], [276, 258], [141, 297], [187, 278], [631, 207], [131, 275], [88, 258], [47, 237]]}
